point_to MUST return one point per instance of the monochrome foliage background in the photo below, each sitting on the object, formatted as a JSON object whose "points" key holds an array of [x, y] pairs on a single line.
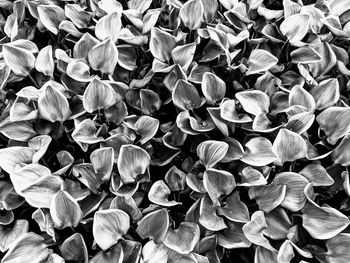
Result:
{"points": [[160, 131]]}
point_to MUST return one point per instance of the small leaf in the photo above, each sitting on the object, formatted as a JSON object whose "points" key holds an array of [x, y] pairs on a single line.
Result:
{"points": [[74, 248], [154, 226], [254, 102], [184, 239], [53, 105], [268, 197], [326, 93], [161, 44], [109, 26], [191, 14], [185, 96], [104, 57], [65, 211], [98, 95], [218, 183], [10, 157], [211, 152], [213, 87], [132, 161], [9, 235], [146, 127], [259, 152], [159, 193], [289, 147], [109, 226], [51, 16], [295, 27], [338, 248], [305, 55], [19, 59], [44, 61], [29, 247], [260, 60]]}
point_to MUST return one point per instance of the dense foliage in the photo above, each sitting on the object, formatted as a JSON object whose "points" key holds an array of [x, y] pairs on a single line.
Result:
{"points": [[160, 131]]}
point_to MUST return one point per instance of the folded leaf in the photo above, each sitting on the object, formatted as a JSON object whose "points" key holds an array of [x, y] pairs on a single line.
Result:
{"points": [[289, 147], [161, 44], [154, 225], [147, 127], [74, 248], [53, 105], [185, 96], [233, 236], [295, 27], [234, 209], [132, 161], [268, 197], [104, 57], [9, 235], [317, 175], [109, 227], [51, 16], [65, 211], [44, 62], [184, 239], [213, 87], [334, 122], [191, 14], [218, 183], [338, 248], [10, 157], [260, 60], [109, 26], [211, 152], [159, 193], [208, 216], [153, 253], [183, 55], [29, 247], [259, 152], [98, 95], [326, 93], [254, 102]]}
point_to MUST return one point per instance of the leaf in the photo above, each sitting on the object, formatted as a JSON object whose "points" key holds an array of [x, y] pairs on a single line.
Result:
{"points": [[128, 205], [259, 152], [74, 248], [175, 178], [317, 175], [254, 102], [268, 197], [53, 105], [213, 87], [19, 59], [218, 183], [260, 60], [98, 95], [146, 127], [278, 224], [327, 62], [79, 17], [228, 112], [340, 153], [40, 193], [191, 14], [211, 152], [44, 62], [305, 55], [234, 209], [102, 161], [326, 93], [253, 230], [185, 96], [9, 236], [132, 161], [109, 26], [104, 57], [84, 45], [294, 199], [252, 177], [161, 44], [10, 157], [337, 248], [29, 247], [299, 96], [51, 16], [159, 193], [208, 216], [109, 226], [323, 222], [289, 147], [184, 239], [265, 255], [154, 225], [114, 255], [233, 237], [183, 55], [65, 211], [295, 27], [153, 253], [334, 122], [19, 131]]}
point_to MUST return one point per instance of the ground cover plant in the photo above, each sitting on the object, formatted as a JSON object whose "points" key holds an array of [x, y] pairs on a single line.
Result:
{"points": [[157, 131]]}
